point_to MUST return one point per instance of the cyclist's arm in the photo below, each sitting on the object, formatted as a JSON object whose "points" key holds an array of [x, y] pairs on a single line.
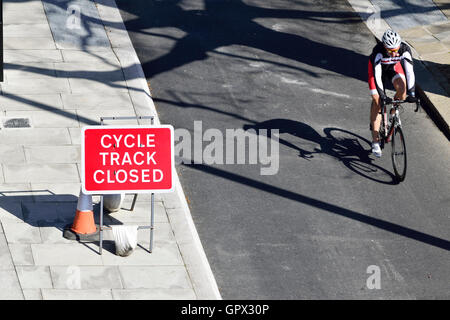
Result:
{"points": [[375, 75], [407, 64]]}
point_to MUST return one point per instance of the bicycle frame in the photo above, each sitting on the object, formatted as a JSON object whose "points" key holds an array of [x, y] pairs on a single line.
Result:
{"points": [[388, 130], [393, 133]]}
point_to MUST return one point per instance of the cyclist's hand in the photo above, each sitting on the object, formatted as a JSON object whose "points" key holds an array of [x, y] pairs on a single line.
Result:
{"points": [[387, 100], [411, 99]]}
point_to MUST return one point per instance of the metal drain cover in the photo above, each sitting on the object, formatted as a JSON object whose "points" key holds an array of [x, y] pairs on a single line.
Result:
{"points": [[16, 123]]}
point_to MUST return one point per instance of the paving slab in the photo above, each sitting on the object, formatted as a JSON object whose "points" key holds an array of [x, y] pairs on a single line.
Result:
{"points": [[83, 32], [13, 76], [34, 277], [90, 277], [21, 254], [63, 294], [66, 254], [11, 211], [443, 5], [79, 86], [2, 176], [10, 154], [36, 86], [55, 192], [14, 193], [32, 294], [406, 14], [427, 48], [118, 101], [31, 5], [30, 102], [16, 43], [75, 133], [50, 154], [41, 173], [154, 294], [52, 232], [37, 30], [6, 261], [35, 55], [36, 136], [10, 286], [106, 56], [44, 119], [90, 70], [146, 277], [164, 254], [24, 70], [29, 16], [21, 233], [48, 213]]}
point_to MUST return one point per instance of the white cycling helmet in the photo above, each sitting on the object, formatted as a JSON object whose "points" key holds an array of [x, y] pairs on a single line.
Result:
{"points": [[391, 39]]}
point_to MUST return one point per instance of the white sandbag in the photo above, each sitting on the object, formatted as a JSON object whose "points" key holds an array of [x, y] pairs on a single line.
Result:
{"points": [[125, 239], [113, 202]]}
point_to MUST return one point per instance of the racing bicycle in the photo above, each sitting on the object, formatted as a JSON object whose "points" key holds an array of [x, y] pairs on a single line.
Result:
{"points": [[391, 131]]}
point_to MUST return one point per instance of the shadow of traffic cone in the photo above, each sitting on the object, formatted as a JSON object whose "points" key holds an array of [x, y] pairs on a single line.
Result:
{"points": [[83, 227]]}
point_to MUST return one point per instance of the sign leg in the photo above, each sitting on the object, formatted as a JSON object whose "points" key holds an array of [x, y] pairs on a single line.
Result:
{"points": [[152, 220], [101, 224]]}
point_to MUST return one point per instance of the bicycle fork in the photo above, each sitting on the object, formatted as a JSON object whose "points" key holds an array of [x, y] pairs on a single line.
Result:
{"points": [[391, 125]]}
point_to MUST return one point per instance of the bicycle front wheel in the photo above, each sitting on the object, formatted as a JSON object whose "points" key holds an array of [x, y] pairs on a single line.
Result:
{"points": [[399, 153]]}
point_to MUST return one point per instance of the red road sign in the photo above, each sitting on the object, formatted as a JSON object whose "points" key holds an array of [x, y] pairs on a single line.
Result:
{"points": [[133, 159]]}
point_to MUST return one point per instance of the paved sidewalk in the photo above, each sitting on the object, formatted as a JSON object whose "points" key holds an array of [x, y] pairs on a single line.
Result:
{"points": [[60, 75]]}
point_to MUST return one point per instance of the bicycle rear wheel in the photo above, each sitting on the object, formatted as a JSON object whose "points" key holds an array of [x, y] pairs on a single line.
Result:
{"points": [[399, 153]]}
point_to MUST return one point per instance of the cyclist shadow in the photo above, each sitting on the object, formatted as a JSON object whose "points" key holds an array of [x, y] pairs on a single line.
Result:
{"points": [[347, 147]]}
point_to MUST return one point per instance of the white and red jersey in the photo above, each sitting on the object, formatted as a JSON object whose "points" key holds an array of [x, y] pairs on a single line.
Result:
{"points": [[383, 66]]}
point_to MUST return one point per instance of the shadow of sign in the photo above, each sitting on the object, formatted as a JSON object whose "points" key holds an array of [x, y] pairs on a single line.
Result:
{"points": [[48, 214]]}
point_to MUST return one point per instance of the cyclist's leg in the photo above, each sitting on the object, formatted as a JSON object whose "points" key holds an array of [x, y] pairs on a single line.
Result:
{"points": [[375, 117], [399, 82]]}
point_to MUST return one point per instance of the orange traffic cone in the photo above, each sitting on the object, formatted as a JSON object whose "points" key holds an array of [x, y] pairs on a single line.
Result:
{"points": [[83, 227]]}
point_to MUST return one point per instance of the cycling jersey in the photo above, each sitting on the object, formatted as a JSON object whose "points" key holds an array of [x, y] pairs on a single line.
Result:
{"points": [[382, 66]]}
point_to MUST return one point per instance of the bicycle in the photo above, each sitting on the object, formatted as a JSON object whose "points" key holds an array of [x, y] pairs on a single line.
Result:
{"points": [[391, 129]]}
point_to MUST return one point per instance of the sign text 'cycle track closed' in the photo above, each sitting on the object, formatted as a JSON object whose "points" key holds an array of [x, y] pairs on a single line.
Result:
{"points": [[135, 159]]}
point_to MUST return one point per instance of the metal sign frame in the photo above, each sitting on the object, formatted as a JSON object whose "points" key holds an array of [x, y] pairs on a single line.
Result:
{"points": [[1, 41], [152, 213]]}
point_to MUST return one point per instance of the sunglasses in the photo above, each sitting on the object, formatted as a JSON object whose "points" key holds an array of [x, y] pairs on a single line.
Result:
{"points": [[392, 50]]}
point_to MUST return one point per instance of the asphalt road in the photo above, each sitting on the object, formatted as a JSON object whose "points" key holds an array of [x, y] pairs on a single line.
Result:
{"points": [[313, 229]]}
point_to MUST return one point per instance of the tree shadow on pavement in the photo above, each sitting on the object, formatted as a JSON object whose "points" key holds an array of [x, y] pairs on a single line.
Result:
{"points": [[316, 203], [225, 23], [347, 147], [441, 73]]}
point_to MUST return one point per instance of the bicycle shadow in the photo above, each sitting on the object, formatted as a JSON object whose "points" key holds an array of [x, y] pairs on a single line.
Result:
{"points": [[349, 148]]}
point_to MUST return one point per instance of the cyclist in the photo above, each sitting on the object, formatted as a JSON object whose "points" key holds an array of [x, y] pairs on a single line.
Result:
{"points": [[391, 60]]}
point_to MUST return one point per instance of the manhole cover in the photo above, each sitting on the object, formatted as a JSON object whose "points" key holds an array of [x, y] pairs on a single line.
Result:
{"points": [[16, 123]]}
